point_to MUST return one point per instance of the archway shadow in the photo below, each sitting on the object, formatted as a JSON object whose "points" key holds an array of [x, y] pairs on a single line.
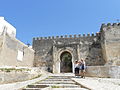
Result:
{"points": [[66, 62]]}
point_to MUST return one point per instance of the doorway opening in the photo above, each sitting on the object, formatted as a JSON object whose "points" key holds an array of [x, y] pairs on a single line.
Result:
{"points": [[66, 62]]}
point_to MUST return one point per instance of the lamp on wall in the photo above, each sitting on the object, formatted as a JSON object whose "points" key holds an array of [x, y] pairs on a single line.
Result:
{"points": [[28, 44]]}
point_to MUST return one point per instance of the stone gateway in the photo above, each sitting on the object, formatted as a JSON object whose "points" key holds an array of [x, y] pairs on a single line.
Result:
{"points": [[58, 54]]}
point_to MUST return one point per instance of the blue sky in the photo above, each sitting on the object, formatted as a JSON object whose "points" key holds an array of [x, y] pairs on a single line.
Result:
{"points": [[41, 18]]}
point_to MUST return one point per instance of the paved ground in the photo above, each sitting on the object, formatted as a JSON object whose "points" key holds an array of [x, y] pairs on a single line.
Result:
{"points": [[99, 83], [90, 82]]}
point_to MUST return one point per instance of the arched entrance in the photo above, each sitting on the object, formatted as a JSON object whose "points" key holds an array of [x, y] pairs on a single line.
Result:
{"points": [[66, 62]]}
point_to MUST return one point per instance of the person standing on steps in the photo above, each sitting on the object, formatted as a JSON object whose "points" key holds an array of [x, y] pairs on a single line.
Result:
{"points": [[77, 65], [82, 67]]}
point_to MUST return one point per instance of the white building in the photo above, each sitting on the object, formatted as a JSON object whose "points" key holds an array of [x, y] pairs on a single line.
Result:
{"points": [[5, 26]]}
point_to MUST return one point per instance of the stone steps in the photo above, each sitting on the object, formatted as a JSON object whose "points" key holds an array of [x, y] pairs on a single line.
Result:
{"points": [[59, 76], [38, 86], [32, 89], [55, 89], [68, 89], [58, 80], [56, 83]]}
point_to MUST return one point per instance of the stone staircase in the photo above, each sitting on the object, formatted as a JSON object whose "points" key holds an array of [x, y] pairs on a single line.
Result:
{"points": [[56, 83]]}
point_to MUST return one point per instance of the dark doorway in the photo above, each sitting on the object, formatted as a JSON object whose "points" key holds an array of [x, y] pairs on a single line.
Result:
{"points": [[66, 62]]}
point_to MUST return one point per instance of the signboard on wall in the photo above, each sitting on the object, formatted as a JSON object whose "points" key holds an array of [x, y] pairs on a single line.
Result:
{"points": [[20, 56]]}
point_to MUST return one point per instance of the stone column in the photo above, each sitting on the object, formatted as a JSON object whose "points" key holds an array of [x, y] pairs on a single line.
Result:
{"points": [[56, 63], [54, 59], [78, 52]]}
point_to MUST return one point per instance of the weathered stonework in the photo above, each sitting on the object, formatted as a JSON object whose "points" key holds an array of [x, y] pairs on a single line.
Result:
{"points": [[98, 50], [110, 41], [103, 71], [48, 51]]}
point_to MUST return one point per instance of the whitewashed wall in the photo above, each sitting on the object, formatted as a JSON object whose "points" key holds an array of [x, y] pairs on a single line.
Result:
{"points": [[4, 25]]}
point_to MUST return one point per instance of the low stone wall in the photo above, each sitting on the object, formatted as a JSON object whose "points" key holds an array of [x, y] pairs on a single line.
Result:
{"points": [[103, 71], [9, 75]]}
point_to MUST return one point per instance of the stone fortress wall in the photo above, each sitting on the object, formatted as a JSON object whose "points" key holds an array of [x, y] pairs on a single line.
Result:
{"points": [[110, 42], [80, 46], [98, 49]]}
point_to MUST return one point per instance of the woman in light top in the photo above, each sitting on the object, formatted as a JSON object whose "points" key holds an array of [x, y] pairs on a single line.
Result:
{"points": [[77, 65]]}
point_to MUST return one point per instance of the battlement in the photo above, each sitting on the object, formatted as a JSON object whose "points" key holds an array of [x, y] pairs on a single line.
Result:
{"points": [[68, 36], [109, 25]]}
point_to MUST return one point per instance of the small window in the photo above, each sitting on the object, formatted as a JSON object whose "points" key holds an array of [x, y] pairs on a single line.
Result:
{"points": [[20, 56]]}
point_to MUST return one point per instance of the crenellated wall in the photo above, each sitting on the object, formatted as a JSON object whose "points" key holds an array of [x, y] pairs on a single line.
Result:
{"points": [[102, 48], [68, 36], [81, 46], [110, 42]]}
